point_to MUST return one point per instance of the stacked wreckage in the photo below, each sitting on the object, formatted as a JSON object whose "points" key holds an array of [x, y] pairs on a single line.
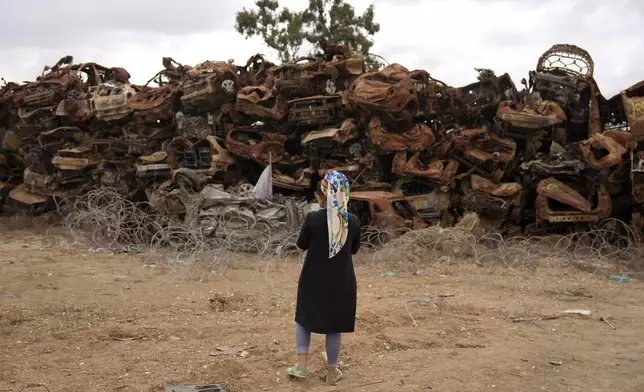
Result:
{"points": [[553, 156]]}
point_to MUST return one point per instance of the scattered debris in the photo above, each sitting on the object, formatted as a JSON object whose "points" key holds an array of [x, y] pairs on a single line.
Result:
{"points": [[194, 388], [605, 319], [554, 316], [556, 363], [430, 300]]}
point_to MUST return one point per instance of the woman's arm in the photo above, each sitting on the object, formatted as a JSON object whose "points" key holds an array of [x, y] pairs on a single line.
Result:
{"points": [[305, 232]]}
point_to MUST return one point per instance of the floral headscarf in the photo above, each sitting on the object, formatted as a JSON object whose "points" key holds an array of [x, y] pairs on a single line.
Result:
{"points": [[336, 187]]}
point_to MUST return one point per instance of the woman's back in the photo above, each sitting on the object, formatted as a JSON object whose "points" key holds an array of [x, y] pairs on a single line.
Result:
{"points": [[327, 287]]}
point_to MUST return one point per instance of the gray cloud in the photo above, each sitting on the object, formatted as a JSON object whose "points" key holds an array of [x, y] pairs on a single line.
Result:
{"points": [[44, 23]]}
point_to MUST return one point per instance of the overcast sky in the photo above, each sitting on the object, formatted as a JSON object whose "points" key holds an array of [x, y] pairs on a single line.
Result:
{"points": [[448, 38]]}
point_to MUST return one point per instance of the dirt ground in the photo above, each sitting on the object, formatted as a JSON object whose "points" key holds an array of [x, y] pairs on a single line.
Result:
{"points": [[75, 320]]}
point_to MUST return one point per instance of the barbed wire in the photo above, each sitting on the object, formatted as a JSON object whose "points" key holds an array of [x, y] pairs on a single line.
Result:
{"points": [[610, 246], [104, 219]]}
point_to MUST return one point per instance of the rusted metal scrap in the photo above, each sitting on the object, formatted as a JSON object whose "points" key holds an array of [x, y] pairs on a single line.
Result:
{"points": [[193, 138], [496, 201], [310, 76], [600, 151], [152, 104], [261, 147], [315, 111], [389, 92], [417, 138], [261, 102], [526, 120], [385, 211], [564, 74], [441, 171], [479, 151], [209, 85], [343, 141], [481, 99], [559, 203], [633, 106]]}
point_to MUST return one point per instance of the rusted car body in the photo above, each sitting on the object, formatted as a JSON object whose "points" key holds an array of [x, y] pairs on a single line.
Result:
{"points": [[564, 74], [532, 122], [600, 151], [297, 180], [256, 72], [206, 158], [342, 141], [152, 104], [437, 170], [154, 167], [559, 203], [480, 151], [315, 111], [59, 92], [261, 147], [418, 137], [499, 202], [481, 99], [316, 77], [633, 106], [260, 102], [109, 101], [384, 211], [209, 85], [194, 127], [390, 93]]}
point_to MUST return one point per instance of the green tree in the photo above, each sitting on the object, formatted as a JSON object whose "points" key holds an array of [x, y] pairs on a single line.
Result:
{"points": [[323, 22]]}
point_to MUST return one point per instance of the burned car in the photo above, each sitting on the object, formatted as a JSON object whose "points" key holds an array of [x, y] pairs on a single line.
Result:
{"points": [[436, 170], [479, 151], [59, 91], [315, 111], [564, 74], [480, 100], [199, 162], [310, 76], [262, 147], [256, 72], [209, 85], [560, 203], [532, 125], [384, 211], [389, 93], [260, 102], [632, 100], [153, 104], [499, 202], [343, 141], [417, 138], [109, 101]]}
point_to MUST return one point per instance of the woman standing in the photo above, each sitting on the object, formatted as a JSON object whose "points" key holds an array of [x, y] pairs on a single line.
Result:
{"points": [[327, 290]]}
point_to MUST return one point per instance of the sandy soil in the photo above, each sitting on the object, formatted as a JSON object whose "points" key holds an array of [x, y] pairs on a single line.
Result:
{"points": [[74, 320]]}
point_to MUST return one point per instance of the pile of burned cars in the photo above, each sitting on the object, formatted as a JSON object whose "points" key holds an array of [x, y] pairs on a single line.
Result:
{"points": [[555, 155]]}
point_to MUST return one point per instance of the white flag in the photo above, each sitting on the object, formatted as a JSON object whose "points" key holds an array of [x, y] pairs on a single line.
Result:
{"points": [[264, 187]]}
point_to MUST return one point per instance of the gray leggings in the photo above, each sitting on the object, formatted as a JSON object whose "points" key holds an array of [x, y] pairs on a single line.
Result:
{"points": [[333, 343]]}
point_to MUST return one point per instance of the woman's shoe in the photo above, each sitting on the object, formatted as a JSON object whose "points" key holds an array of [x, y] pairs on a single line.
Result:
{"points": [[297, 373], [333, 379]]}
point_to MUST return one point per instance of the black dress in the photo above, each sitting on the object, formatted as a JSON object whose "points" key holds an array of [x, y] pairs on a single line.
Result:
{"points": [[327, 290]]}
